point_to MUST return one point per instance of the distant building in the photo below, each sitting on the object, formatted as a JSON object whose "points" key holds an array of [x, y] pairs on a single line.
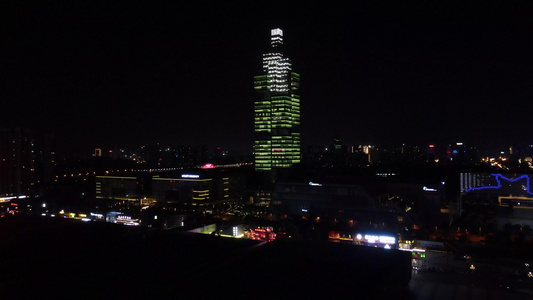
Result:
{"points": [[158, 156], [127, 189], [277, 110], [17, 163], [459, 153], [507, 198], [312, 200], [431, 155], [296, 200], [262, 197], [187, 189], [45, 159]]}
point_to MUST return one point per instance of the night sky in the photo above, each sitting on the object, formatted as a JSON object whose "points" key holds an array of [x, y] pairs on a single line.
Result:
{"points": [[131, 72]]}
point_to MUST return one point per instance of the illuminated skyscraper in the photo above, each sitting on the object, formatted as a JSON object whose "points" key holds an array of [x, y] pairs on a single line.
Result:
{"points": [[277, 110]]}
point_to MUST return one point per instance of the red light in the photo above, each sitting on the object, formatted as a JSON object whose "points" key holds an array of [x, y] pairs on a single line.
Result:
{"points": [[431, 146], [208, 166], [262, 234], [110, 151], [14, 204]]}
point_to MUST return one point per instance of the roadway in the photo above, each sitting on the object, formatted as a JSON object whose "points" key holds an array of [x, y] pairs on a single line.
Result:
{"points": [[447, 278]]}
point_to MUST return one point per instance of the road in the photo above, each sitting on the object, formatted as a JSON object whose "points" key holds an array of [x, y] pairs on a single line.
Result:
{"points": [[448, 278]]}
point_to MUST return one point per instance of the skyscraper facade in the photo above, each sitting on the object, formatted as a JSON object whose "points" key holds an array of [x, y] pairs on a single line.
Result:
{"points": [[17, 162], [277, 110]]}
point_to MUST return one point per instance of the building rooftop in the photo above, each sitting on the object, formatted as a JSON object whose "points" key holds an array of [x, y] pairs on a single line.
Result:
{"points": [[57, 257]]}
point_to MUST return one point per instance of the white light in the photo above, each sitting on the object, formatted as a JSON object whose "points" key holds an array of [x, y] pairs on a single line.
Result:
{"points": [[387, 239], [155, 217], [276, 31], [381, 239], [86, 219], [5, 199], [425, 188], [387, 246], [44, 204], [359, 236], [190, 176], [371, 238]]}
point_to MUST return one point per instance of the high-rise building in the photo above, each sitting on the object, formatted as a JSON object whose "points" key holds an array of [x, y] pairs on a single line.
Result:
{"points": [[277, 110], [17, 162]]}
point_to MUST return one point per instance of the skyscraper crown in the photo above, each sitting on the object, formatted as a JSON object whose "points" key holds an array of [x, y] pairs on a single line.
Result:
{"points": [[276, 37]]}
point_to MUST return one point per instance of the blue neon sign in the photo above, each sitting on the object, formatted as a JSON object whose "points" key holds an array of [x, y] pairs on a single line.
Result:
{"points": [[498, 178]]}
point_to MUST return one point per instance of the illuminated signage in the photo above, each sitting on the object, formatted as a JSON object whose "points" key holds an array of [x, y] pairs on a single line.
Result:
{"points": [[498, 178], [373, 239], [387, 240], [190, 176], [425, 188]]}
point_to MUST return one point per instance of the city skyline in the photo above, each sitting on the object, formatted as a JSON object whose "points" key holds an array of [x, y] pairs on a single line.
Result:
{"points": [[103, 74]]}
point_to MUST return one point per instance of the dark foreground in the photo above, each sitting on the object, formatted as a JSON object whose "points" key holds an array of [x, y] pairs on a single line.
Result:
{"points": [[56, 258]]}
